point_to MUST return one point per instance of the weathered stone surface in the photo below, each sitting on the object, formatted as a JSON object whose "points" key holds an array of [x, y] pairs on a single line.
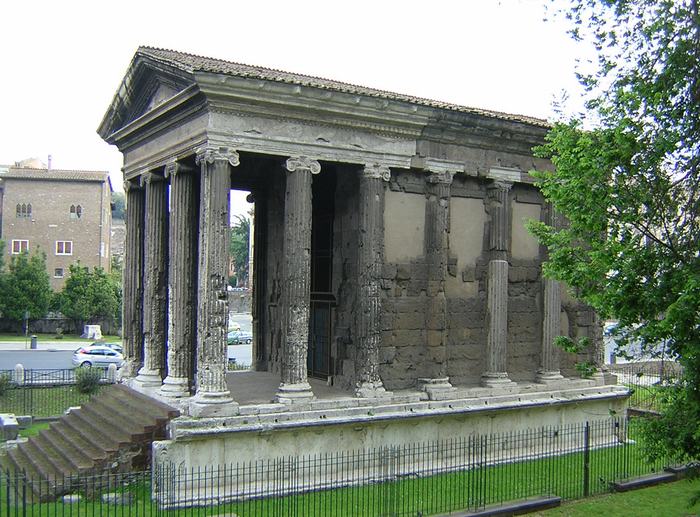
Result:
{"points": [[212, 395], [155, 281], [133, 280], [297, 272], [182, 276], [9, 428], [370, 258]]}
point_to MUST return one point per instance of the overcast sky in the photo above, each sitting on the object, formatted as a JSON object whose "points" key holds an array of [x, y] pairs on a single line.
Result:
{"points": [[62, 62]]}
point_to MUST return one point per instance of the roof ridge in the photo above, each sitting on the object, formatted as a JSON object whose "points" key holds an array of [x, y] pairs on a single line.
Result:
{"points": [[317, 82], [12, 167]]}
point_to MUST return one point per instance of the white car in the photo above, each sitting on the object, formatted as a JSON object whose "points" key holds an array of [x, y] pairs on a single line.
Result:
{"points": [[97, 355]]}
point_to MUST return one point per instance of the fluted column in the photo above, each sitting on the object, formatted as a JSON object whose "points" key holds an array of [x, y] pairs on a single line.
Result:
{"points": [[213, 397], [155, 282], [436, 241], [551, 321], [182, 280], [297, 279], [370, 260], [498, 205], [132, 317]]}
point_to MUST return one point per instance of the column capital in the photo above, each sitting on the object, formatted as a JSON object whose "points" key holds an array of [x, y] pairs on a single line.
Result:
{"points": [[132, 184], [210, 154], [499, 186], [444, 177], [376, 171], [151, 177], [301, 163], [176, 167]]}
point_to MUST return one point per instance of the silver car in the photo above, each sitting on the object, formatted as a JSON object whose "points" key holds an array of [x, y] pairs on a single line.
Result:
{"points": [[97, 355]]}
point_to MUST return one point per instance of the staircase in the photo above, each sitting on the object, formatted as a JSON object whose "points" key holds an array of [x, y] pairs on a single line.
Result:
{"points": [[112, 433]]}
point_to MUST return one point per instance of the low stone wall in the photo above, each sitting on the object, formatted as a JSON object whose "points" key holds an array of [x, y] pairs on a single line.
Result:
{"points": [[50, 325], [202, 444], [240, 300]]}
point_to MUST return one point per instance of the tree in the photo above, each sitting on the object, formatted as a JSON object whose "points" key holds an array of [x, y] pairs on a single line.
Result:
{"points": [[630, 189], [240, 246], [118, 205], [25, 288], [88, 296]]}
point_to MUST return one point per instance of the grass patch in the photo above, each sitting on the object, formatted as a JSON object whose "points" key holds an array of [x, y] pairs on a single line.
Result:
{"points": [[41, 401], [48, 338], [34, 429], [667, 500]]}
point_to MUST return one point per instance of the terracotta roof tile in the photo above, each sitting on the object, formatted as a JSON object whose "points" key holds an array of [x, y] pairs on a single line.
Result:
{"points": [[54, 174], [192, 63]]}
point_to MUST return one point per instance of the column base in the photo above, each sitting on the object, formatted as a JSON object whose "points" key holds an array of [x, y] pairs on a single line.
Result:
{"points": [[130, 369], [175, 387], [148, 378], [297, 393], [371, 390], [437, 388], [549, 377], [496, 380], [212, 404]]}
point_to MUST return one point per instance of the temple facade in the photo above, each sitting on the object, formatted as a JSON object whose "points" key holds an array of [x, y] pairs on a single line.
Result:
{"points": [[390, 255]]}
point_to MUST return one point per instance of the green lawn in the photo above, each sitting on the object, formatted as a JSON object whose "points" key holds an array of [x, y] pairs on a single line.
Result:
{"points": [[41, 401], [48, 338], [668, 500]]}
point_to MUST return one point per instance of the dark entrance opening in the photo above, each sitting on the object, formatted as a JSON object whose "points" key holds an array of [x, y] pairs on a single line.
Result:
{"points": [[319, 360]]}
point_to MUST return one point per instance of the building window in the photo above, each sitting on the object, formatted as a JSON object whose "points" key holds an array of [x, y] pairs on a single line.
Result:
{"points": [[76, 211], [64, 247], [24, 210], [58, 272], [19, 246]]}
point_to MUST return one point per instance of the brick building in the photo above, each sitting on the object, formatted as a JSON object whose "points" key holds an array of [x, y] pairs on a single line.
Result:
{"points": [[64, 213]]}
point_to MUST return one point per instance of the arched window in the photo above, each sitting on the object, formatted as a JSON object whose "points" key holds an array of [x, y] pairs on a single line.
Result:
{"points": [[19, 210], [79, 211], [76, 211], [29, 209]]}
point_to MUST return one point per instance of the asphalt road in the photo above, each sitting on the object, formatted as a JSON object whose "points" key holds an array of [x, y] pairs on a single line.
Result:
{"points": [[36, 359]]}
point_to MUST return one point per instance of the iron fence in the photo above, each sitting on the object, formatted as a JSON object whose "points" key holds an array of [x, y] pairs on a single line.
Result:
{"points": [[428, 478], [42, 393], [649, 381]]}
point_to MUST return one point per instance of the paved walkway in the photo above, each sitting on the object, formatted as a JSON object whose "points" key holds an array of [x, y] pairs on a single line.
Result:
{"points": [[46, 345]]}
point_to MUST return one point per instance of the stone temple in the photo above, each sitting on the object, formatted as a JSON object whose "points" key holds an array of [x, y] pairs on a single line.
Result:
{"points": [[397, 294]]}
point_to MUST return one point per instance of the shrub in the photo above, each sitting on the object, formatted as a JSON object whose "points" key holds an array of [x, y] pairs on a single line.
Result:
{"points": [[5, 382], [87, 380]]}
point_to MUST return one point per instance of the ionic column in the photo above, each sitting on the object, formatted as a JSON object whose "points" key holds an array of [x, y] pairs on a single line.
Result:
{"points": [[436, 242], [297, 276], [132, 317], [213, 397], [551, 321], [182, 280], [370, 260], [155, 282], [498, 205]]}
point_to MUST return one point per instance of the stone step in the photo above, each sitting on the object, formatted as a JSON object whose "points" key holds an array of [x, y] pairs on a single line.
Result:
{"points": [[78, 441], [88, 441], [71, 454]]}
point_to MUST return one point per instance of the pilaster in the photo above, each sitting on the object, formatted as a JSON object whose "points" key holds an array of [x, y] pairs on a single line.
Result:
{"points": [[133, 280], [182, 280], [437, 226], [155, 281], [294, 386], [370, 260], [498, 207], [212, 395]]}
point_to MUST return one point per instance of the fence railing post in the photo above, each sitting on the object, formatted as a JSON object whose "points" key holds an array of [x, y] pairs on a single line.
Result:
{"points": [[586, 460]]}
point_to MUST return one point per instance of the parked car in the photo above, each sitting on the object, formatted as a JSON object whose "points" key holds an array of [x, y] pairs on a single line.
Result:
{"points": [[238, 337], [114, 346], [97, 355]]}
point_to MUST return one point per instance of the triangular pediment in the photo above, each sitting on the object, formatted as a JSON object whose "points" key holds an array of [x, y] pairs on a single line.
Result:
{"points": [[147, 84]]}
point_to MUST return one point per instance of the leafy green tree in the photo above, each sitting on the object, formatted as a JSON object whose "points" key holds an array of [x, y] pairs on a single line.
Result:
{"points": [[25, 288], [89, 296], [629, 188], [239, 247], [118, 205]]}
